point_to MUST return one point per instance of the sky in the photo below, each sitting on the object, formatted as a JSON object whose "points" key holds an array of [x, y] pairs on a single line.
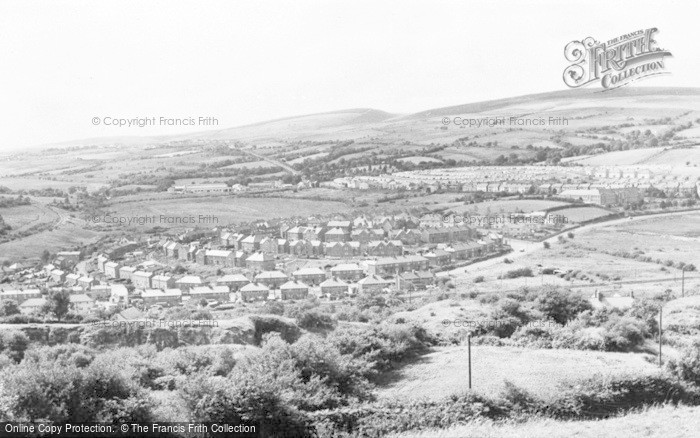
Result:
{"points": [[63, 63]]}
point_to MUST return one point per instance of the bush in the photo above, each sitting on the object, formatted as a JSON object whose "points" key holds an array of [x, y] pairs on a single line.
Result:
{"points": [[479, 279], [66, 393], [624, 334], [380, 419], [265, 324], [13, 343], [595, 398], [687, 366], [516, 273], [22, 319], [315, 320], [559, 305], [384, 346], [250, 400], [8, 307]]}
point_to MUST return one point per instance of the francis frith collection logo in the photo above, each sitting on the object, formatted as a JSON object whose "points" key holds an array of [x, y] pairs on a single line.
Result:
{"points": [[616, 62]]}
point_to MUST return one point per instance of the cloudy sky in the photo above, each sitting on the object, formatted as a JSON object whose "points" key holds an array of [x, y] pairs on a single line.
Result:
{"points": [[64, 63]]}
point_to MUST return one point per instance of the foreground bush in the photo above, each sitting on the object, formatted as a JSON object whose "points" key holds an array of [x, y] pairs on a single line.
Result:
{"points": [[66, 393], [596, 398], [382, 418], [384, 346], [687, 367]]}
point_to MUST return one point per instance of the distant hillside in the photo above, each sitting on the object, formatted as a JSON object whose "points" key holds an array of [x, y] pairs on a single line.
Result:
{"points": [[565, 95]]}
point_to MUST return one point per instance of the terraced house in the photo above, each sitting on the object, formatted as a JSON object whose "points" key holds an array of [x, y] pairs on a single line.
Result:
{"points": [[390, 266]]}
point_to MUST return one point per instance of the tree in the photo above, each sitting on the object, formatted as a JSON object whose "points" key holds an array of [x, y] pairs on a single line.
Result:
{"points": [[57, 304], [8, 307], [14, 343], [560, 305], [45, 256]]}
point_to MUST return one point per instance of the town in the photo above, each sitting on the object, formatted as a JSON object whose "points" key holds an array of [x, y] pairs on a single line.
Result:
{"points": [[328, 259]]}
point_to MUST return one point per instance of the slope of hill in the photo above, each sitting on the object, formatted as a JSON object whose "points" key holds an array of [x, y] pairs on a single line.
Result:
{"points": [[660, 422]]}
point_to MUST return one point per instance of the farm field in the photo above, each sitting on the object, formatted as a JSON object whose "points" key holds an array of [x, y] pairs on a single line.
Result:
{"points": [[444, 371], [67, 235], [25, 216], [226, 209], [582, 214], [657, 422], [508, 206], [251, 165], [685, 225], [417, 160]]}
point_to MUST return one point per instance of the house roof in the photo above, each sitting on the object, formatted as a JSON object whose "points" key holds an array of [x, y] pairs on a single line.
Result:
{"points": [[260, 257], [292, 284], [332, 282], [373, 279], [33, 302], [232, 277], [309, 271], [189, 279], [80, 298], [218, 253], [203, 290], [399, 259], [343, 267], [131, 313], [253, 287], [270, 275], [119, 290]]}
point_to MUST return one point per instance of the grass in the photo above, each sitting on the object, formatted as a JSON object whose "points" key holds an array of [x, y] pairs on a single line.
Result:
{"points": [[683, 313], [580, 214], [656, 422], [227, 209], [444, 371]]}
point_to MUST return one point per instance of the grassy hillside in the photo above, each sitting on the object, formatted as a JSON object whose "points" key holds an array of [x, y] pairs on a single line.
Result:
{"points": [[659, 422], [443, 372]]}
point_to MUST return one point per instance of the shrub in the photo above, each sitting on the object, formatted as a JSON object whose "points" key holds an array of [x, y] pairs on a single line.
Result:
{"points": [[516, 273], [624, 334], [8, 307], [479, 279], [13, 343], [595, 398], [382, 418], [383, 345], [687, 366], [252, 399], [266, 324], [560, 305], [66, 393], [314, 320]]}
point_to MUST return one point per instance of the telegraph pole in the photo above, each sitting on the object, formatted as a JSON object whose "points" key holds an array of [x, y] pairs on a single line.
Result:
{"points": [[683, 282], [469, 358], [660, 331]]}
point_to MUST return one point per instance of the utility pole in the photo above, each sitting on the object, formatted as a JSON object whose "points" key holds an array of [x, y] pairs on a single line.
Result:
{"points": [[469, 358], [683, 283], [660, 331]]}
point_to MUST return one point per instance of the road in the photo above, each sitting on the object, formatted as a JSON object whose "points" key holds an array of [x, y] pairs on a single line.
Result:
{"points": [[286, 167]]}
